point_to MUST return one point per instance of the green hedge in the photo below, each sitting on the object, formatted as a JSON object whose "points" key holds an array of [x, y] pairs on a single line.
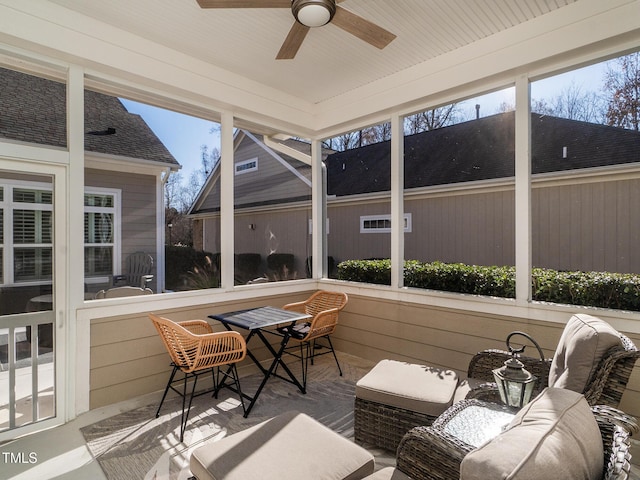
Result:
{"points": [[181, 263], [596, 289]]}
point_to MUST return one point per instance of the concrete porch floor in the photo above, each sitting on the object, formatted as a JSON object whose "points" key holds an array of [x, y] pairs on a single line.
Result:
{"points": [[61, 452]]}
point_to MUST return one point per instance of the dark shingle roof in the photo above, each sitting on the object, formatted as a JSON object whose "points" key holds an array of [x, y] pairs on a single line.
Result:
{"points": [[33, 109], [481, 149]]}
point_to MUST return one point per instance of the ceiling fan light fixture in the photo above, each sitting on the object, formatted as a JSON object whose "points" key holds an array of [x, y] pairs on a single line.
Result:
{"points": [[313, 13]]}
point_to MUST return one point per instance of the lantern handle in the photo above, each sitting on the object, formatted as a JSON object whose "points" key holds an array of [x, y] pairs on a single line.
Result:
{"points": [[517, 351]]}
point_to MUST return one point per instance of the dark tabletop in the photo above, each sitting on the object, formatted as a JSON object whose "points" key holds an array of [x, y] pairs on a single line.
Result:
{"points": [[255, 318]]}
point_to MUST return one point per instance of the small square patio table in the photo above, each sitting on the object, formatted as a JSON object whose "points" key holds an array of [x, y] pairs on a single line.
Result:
{"points": [[256, 320]]}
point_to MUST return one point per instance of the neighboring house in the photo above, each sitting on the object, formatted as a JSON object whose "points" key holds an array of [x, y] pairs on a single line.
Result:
{"points": [[125, 164], [459, 197], [272, 199]]}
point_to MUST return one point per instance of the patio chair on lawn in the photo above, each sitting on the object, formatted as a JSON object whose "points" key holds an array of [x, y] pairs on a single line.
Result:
{"points": [[195, 350], [591, 358], [324, 308]]}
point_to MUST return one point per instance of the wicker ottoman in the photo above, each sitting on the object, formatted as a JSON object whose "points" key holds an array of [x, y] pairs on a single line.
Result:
{"points": [[396, 396], [291, 446]]}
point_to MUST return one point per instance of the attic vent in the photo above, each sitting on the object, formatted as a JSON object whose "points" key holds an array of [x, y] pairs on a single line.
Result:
{"points": [[247, 166], [108, 131], [564, 152]]}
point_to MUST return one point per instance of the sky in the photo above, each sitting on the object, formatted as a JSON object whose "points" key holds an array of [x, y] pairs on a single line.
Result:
{"points": [[184, 135]]}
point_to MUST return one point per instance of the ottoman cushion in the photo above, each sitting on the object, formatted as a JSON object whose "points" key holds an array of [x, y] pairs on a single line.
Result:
{"points": [[418, 388], [291, 446], [388, 473]]}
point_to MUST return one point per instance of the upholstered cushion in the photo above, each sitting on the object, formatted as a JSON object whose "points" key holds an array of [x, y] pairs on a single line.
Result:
{"points": [[388, 473], [291, 446], [583, 343], [555, 436], [418, 388]]}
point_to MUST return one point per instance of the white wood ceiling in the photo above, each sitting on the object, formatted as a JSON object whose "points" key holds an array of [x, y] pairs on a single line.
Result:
{"points": [[330, 62]]}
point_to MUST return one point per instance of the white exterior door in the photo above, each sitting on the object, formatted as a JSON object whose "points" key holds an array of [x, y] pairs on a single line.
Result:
{"points": [[32, 296]]}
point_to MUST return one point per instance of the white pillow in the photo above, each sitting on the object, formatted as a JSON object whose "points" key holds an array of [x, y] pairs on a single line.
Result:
{"points": [[554, 437]]}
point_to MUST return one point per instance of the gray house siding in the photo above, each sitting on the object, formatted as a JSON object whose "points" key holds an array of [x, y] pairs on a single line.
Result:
{"points": [[275, 180], [475, 229], [578, 226], [345, 241], [588, 226], [138, 227]]}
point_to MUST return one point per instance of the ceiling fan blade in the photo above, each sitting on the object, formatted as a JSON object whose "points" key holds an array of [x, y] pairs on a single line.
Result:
{"points": [[244, 3], [293, 42], [361, 28]]}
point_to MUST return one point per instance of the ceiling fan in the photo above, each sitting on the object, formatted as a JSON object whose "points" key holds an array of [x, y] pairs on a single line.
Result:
{"points": [[312, 13]]}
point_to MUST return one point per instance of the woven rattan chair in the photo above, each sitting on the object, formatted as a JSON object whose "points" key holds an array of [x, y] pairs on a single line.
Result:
{"points": [[324, 308], [384, 425], [430, 453], [194, 350]]}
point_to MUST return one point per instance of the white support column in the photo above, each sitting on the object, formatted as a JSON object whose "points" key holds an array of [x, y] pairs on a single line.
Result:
{"points": [[397, 202], [523, 191], [161, 182], [227, 243], [318, 212], [76, 383]]}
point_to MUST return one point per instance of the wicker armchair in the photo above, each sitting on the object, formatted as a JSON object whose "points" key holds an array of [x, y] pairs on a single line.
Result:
{"points": [[384, 425], [605, 386], [430, 453], [324, 308], [194, 350]]}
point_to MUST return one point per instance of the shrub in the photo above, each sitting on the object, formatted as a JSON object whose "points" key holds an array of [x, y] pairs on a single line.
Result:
{"points": [[281, 266], [179, 260], [368, 271], [247, 267], [595, 289], [204, 276]]}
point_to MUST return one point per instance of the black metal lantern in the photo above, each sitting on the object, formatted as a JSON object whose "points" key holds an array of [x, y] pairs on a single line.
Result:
{"points": [[515, 383]]}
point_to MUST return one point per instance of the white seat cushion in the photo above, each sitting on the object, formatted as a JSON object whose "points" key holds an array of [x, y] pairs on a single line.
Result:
{"points": [[291, 446], [418, 388], [388, 473]]}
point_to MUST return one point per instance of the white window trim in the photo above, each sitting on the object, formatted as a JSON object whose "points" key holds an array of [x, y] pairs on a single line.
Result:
{"points": [[8, 205], [253, 168], [368, 218], [117, 227]]}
